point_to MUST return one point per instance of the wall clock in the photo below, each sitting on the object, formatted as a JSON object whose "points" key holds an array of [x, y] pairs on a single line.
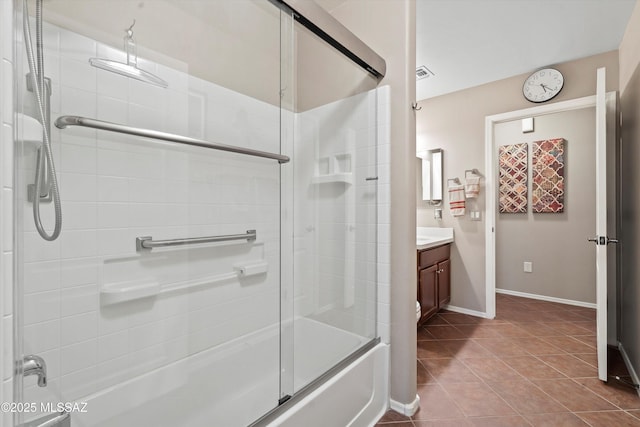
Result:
{"points": [[543, 85]]}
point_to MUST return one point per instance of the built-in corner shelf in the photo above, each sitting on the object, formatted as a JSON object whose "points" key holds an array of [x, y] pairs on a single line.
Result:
{"points": [[334, 168], [336, 177]]}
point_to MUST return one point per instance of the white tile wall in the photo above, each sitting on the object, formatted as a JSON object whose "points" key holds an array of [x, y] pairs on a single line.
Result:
{"points": [[6, 206], [115, 188], [328, 230]]}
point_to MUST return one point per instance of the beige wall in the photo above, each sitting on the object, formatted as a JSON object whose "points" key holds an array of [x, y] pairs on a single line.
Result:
{"points": [[238, 42], [630, 49], [388, 27], [630, 236], [455, 122], [539, 238]]}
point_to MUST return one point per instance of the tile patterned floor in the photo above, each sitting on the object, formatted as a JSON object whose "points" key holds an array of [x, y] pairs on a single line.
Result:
{"points": [[534, 365]]}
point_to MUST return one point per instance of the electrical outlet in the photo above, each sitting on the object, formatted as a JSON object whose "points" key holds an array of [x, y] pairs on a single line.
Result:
{"points": [[528, 267]]}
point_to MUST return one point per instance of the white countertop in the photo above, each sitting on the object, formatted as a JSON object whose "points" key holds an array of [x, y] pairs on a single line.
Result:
{"points": [[430, 237]]}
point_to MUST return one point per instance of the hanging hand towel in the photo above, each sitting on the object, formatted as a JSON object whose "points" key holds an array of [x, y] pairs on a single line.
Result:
{"points": [[472, 185], [456, 199]]}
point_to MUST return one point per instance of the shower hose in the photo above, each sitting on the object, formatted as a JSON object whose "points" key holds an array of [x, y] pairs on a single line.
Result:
{"points": [[45, 157]]}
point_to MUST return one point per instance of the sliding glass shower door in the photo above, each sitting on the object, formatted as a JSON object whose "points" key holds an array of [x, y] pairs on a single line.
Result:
{"points": [[137, 323], [330, 300]]}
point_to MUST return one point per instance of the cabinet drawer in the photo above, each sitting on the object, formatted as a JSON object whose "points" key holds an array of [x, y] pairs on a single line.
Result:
{"points": [[433, 256]]}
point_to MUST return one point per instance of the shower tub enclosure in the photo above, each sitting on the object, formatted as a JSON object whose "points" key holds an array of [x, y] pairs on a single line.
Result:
{"points": [[216, 169]]}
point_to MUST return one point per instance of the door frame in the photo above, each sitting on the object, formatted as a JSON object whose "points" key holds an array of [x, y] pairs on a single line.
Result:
{"points": [[490, 164]]}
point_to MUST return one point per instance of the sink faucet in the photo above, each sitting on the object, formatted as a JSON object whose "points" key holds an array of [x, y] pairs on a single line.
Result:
{"points": [[34, 365]]}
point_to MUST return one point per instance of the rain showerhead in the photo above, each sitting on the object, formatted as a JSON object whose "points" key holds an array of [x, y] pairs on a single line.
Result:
{"points": [[130, 68]]}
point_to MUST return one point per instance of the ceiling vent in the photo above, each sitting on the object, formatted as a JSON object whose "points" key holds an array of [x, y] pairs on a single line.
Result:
{"points": [[423, 72]]}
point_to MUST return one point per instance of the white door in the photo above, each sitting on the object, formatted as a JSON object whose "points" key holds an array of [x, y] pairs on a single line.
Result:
{"points": [[602, 240]]}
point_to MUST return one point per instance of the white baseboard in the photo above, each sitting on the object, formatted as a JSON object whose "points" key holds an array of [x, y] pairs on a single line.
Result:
{"points": [[627, 362], [466, 311], [404, 408], [546, 298]]}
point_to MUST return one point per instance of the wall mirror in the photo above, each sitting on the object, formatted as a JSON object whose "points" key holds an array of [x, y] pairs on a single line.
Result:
{"points": [[431, 175]]}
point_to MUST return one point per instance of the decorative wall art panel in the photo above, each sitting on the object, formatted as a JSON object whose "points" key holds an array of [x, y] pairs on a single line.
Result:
{"points": [[513, 168], [548, 176]]}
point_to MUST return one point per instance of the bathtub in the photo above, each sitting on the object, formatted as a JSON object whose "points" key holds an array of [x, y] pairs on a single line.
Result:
{"points": [[188, 393]]}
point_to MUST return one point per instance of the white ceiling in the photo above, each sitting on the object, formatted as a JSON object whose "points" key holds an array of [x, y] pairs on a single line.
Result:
{"points": [[467, 43]]}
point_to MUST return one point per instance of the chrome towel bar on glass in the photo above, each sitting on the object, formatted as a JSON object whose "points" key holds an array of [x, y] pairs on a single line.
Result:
{"points": [[64, 121], [147, 243]]}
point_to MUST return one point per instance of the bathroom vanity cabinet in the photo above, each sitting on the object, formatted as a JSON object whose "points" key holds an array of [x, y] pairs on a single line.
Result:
{"points": [[434, 280]]}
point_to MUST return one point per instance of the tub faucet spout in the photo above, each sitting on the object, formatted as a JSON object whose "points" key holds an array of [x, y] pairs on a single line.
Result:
{"points": [[34, 365]]}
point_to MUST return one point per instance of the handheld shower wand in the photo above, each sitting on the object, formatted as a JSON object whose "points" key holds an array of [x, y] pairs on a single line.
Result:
{"points": [[46, 182]]}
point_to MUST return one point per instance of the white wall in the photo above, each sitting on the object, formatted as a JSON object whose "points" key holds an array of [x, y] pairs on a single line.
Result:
{"points": [[6, 207]]}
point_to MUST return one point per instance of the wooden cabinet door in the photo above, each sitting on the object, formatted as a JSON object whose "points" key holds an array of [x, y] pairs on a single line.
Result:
{"points": [[444, 283], [428, 292]]}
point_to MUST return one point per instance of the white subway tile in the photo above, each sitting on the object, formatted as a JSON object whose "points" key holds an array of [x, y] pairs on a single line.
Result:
{"points": [[6, 23], [78, 328], [77, 187], [80, 299], [6, 139], [78, 159], [7, 218], [146, 336], [37, 249], [115, 163], [77, 102], [114, 371], [78, 272], [145, 117], [112, 85], [146, 190], [7, 283], [113, 215], [41, 307], [113, 189], [112, 346], [41, 337], [112, 109], [80, 215], [78, 384], [6, 106], [77, 47], [78, 244], [78, 356], [115, 242], [41, 276], [77, 74], [7, 347]]}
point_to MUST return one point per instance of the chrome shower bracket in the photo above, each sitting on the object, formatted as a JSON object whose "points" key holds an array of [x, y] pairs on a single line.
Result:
{"points": [[45, 185], [47, 83]]}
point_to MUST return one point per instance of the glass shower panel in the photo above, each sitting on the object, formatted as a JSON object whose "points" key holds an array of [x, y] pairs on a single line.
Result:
{"points": [[334, 208], [183, 335]]}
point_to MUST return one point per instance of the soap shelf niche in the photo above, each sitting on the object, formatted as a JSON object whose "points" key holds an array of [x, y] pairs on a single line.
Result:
{"points": [[334, 168]]}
